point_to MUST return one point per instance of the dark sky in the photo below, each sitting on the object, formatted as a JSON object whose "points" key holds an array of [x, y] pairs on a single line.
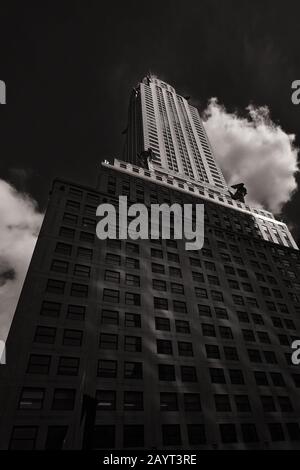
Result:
{"points": [[69, 68]]}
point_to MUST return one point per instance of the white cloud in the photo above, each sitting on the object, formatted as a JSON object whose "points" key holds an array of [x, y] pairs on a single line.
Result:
{"points": [[253, 150], [19, 226]]}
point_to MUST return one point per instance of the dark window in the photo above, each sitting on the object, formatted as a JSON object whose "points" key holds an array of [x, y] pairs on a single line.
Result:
{"points": [[110, 317], [228, 433], [132, 320], [133, 370], [106, 400], [68, 366], [72, 338], [276, 432], [249, 432], [132, 298], [225, 332], [188, 374], [132, 280], [55, 287], [182, 326], [231, 353], [38, 364], [31, 398], [261, 378], [63, 249], [171, 434], [112, 276], [285, 404], [76, 312], [107, 369], [23, 438], [45, 334], [212, 351], [192, 402], [242, 403], [112, 259], [254, 355], [133, 435], [133, 344], [133, 401], [67, 233], [63, 399], [277, 379], [159, 284], [104, 437], [166, 372], [268, 403], [50, 309], [208, 330], [160, 303], [59, 266], [179, 306], [204, 310], [293, 431], [185, 348], [111, 295], [158, 268], [162, 324], [236, 376], [196, 434], [108, 341], [168, 401], [79, 290], [222, 402], [56, 436]]}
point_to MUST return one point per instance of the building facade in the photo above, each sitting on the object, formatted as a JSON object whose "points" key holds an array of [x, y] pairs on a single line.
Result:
{"points": [[141, 344]]}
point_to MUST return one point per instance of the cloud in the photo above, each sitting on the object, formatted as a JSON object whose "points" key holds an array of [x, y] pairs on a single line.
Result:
{"points": [[253, 150], [20, 222]]}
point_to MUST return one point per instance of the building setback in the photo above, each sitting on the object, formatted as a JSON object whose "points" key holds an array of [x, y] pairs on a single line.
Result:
{"points": [[140, 343]]}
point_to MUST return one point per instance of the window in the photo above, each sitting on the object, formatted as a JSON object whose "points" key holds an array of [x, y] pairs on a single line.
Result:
{"points": [[133, 435], [132, 248], [55, 437], [195, 262], [113, 244], [31, 398], [222, 402], [216, 295], [201, 292], [112, 259], [228, 433], [65, 232], [177, 288], [155, 253], [59, 266], [171, 434], [261, 378], [72, 338], [133, 344], [166, 372], [164, 346], [23, 438], [132, 280], [197, 277], [87, 237], [185, 349], [162, 324], [133, 370], [168, 401], [79, 290], [254, 355], [132, 298], [277, 379], [107, 369], [293, 431], [106, 400], [111, 295], [270, 357], [204, 310], [212, 351], [174, 272], [225, 332], [63, 399], [249, 432], [242, 403], [160, 303], [217, 375], [159, 284], [109, 317], [85, 253], [158, 268], [276, 432], [231, 353], [238, 299], [45, 334], [55, 287], [192, 402], [268, 403], [112, 276], [221, 313], [50, 309], [248, 335], [208, 330], [209, 265], [38, 364], [179, 306], [196, 434], [73, 205], [182, 326], [76, 312], [133, 401], [104, 437], [285, 404], [108, 341], [236, 377], [243, 317], [132, 320], [68, 366]]}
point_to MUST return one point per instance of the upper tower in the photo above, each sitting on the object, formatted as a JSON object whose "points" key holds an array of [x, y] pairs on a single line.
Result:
{"points": [[165, 124]]}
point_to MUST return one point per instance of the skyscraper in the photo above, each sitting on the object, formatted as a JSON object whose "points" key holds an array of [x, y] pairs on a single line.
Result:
{"points": [[140, 343]]}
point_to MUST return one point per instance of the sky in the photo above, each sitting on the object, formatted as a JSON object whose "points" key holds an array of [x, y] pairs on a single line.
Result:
{"points": [[69, 68]]}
